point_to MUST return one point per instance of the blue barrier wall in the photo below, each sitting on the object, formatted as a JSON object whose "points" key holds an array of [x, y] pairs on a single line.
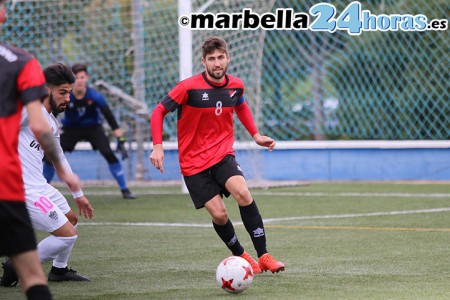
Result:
{"points": [[302, 161]]}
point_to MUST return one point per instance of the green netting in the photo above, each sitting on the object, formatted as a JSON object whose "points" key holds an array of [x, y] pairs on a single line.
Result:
{"points": [[301, 85]]}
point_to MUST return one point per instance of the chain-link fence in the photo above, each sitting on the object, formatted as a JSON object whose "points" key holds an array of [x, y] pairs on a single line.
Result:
{"points": [[301, 85]]}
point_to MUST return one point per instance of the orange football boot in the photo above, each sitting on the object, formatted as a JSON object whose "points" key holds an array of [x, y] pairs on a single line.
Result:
{"points": [[267, 262], [252, 262]]}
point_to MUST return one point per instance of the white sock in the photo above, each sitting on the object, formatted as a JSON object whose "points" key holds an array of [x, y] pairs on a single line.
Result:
{"points": [[62, 258], [51, 246]]}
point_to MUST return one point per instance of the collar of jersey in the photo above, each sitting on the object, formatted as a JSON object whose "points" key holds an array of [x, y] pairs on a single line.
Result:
{"points": [[215, 85]]}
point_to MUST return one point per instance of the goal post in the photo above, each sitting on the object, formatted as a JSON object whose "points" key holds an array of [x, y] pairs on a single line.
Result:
{"points": [[185, 52]]}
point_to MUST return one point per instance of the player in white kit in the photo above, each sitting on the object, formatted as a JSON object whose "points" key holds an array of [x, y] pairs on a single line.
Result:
{"points": [[48, 209]]}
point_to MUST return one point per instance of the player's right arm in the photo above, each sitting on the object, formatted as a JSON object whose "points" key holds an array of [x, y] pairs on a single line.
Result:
{"points": [[176, 97], [43, 133], [156, 124]]}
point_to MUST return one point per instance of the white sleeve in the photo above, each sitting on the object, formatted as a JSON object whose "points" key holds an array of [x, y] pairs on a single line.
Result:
{"points": [[62, 157]]}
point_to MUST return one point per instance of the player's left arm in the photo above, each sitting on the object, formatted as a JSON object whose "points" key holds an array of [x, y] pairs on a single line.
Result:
{"points": [[118, 133], [65, 163], [245, 116], [83, 204], [101, 103]]}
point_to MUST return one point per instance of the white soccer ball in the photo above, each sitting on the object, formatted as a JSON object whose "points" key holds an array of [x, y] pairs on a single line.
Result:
{"points": [[234, 274]]}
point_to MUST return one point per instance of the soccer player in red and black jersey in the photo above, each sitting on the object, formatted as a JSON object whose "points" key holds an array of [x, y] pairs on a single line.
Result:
{"points": [[206, 103], [22, 83]]}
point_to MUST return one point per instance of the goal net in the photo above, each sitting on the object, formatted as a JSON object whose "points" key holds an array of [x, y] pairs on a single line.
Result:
{"points": [[300, 85]]}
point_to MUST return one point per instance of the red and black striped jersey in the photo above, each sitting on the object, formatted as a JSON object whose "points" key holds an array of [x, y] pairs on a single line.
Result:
{"points": [[21, 81], [205, 119]]}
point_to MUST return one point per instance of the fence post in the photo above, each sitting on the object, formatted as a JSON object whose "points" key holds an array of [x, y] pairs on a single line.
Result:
{"points": [[139, 79]]}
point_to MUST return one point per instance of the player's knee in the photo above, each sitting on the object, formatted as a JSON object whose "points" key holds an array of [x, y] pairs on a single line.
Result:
{"points": [[67, 230], [71, 232], [220, 217], [243, 196]]}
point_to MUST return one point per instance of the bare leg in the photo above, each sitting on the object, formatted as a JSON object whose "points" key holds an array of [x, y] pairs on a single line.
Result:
{"points": [[29, 269]]}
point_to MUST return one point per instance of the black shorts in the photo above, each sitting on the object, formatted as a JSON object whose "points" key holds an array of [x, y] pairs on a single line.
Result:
{"points": [[207, 184], [16, 232]]}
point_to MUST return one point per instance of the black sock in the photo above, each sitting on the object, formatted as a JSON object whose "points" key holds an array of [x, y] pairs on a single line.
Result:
{"points": [[229, 237], [254, 224], [38, 292]]}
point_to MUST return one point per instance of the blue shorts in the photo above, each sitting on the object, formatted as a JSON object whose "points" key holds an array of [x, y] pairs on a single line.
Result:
{"points": [[207, 184]]}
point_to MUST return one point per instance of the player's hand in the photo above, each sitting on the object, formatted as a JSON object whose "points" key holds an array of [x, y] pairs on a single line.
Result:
{"points": [[264, 141], [157, 157], [84, 207], [121, 147]]}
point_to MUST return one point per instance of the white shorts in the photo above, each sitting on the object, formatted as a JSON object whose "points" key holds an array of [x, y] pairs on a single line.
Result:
{"points": [[47, 208]]}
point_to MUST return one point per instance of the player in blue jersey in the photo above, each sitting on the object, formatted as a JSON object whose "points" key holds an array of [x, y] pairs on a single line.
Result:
{"points": [[83, 121]]}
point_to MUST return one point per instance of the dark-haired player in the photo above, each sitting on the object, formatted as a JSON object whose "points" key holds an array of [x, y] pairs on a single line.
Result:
{"points": [[83, 121], [48, 208], [22, 84], [206, 103]]}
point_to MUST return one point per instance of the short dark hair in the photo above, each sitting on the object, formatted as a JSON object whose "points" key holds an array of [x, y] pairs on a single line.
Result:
{"points": [[76, 68], [214, 43], [58, 73]]}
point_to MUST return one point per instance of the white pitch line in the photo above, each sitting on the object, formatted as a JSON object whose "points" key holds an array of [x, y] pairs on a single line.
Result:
{"points": [[316, 194], [373, 214], [300, 194], [273, 220], [150, 224]]}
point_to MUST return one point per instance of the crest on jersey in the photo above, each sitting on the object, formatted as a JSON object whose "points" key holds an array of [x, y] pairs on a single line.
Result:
{"points": [[81, 111], [53, 215], [205, 96], [232, 94]]}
